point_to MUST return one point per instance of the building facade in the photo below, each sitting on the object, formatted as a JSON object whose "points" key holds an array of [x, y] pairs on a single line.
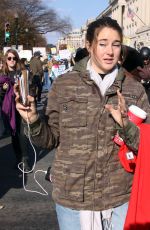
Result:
{"points": [[132, 15], [75, 39], [72, 40], [134, 18]]}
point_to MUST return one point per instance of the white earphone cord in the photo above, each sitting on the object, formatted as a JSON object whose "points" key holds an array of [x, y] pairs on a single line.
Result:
{"points": [[23, 172]]}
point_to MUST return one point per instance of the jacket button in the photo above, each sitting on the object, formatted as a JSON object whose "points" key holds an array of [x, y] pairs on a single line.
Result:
{"points": [[65, 107]]}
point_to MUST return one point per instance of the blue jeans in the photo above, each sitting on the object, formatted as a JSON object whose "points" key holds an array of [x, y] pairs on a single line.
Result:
{"points": [[119, 216], [46, 83], [69, 219]]}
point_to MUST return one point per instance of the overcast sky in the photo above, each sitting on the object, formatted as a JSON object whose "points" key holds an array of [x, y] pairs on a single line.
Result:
{"points": [[78, 10]]}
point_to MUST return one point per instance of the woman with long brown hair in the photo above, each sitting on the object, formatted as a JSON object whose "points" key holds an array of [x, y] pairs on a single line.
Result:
{"points": [[85, 109], [10, 73]]}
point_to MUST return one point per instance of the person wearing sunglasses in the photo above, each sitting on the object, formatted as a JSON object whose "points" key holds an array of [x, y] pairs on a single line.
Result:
{"points": [[10, 71]]}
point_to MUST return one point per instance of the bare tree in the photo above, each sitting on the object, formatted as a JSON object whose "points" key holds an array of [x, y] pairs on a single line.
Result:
{"points": [[34, 16]]}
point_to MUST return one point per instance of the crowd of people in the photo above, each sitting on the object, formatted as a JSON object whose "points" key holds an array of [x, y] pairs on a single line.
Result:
{"points": [[86, 107]]}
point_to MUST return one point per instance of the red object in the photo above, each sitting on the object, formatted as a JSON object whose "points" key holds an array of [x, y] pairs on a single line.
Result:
{"points": [[127, 157], [135, 119], [128, 164], [118, 140], [138, 215]]}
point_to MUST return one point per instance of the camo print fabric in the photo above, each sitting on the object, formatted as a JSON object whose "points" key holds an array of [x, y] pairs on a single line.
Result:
{"points": [[86, 172]]}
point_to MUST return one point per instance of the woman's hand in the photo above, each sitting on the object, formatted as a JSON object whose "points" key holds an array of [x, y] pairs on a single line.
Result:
{"points": [[5, 86], [28, 113], [120, 113]]}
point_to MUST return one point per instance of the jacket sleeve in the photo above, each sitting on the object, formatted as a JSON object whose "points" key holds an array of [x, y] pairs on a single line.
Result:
{"points": [[45, 131], [144, 73], [2, 94], [143, 103], [130, 134]]}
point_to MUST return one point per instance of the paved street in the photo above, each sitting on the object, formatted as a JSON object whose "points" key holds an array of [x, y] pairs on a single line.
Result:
{"points": [[25, 210]]}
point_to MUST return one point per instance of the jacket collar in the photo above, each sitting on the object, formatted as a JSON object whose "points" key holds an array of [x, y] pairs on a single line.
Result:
{"points": [[84, 74], [117, 83]]}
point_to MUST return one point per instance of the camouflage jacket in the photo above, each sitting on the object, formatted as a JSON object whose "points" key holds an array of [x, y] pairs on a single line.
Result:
{"points": [[86, 170]]}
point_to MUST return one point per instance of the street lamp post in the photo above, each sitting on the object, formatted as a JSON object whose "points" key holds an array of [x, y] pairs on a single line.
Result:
{"points": [[27, 40], [16, 31]]}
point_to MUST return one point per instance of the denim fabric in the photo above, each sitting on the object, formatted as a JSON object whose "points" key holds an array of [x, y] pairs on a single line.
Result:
{"points": [[69, 219], [46, 83], [118, 217]]}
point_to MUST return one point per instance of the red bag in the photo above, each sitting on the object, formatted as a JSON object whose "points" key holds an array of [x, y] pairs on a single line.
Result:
{"points": [[127, 158], [138, 215]]}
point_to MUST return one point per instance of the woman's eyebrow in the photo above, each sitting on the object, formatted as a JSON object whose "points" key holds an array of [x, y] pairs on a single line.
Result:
{"points": [[117, 41], [105, 40]]}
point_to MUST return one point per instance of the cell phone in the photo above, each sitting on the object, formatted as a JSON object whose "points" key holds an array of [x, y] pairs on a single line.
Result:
{"points": [[23, 82], [47, 176]]}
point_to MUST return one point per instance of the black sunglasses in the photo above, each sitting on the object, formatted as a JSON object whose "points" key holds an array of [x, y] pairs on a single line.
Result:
{"points": [[12, 58]]}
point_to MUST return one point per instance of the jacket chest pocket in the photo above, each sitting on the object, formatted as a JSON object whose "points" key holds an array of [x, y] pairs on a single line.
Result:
{"points": [[73, 112], [130, 99]]}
